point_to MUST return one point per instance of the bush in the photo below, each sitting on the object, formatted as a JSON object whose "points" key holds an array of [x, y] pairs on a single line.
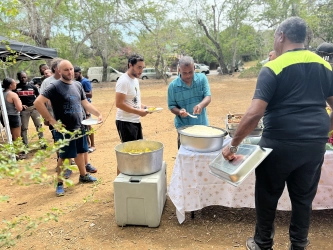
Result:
{"points": [[252, 72]]}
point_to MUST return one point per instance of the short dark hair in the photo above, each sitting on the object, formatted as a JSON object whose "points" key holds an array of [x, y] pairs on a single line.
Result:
{"points": [[77, 69], [294, 28], [6, 82], [133, 59], [43, 64], [20, 73]]}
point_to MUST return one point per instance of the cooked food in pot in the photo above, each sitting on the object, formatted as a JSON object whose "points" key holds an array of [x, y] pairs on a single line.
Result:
{"points": [[234, 118], [137, 151], [202, 130]]}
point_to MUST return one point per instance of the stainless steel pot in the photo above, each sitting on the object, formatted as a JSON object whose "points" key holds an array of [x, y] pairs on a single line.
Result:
{"points": [[142, 163], [199, 143]]}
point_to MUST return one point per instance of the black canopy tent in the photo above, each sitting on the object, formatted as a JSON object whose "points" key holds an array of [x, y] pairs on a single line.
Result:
{"points": [[23, 52]]}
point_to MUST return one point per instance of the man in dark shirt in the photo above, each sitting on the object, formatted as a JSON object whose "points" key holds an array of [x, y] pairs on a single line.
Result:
{"points": [[67, 98], [291, 94], [28, 93], [86, 84]]}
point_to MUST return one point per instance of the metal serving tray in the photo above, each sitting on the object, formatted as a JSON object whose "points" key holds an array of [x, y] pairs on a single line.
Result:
{"points": [[255, 133], [234, 126], [248, 157]]}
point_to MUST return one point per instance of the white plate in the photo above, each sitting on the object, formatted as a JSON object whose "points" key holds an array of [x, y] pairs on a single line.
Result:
{"points": [[91, 121], [155, 110]]}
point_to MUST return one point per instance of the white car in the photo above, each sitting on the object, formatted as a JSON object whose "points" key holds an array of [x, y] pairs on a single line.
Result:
{"points": [[199, 68], [95, 74], [148, 73]]}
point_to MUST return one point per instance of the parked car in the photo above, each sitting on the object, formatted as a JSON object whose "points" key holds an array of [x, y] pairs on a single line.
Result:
{"points": [[95, 74], [148, 73], [202, 64], [201, 69]]}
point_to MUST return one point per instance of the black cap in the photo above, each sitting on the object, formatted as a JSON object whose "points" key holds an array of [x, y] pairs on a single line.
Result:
{"points": [[325, 49], [77, 69]]}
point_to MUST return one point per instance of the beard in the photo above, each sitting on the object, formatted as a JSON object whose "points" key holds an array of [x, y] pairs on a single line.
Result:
{"points": [[135, 74], [65, 77]]}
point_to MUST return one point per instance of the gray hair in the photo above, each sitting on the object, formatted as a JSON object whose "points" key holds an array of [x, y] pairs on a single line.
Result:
{"points": [[186, 61], [294, 28]]}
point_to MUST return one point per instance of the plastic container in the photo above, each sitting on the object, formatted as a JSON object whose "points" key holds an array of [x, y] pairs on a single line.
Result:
{"points": [[139, 200]]}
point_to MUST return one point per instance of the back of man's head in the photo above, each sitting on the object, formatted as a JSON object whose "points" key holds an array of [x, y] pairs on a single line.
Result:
{"points": [[54, 63], [325, 50], [294, 28]]}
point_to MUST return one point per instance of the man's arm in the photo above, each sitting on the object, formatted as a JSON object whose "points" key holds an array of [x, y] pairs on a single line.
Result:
{"points": [[41, 108], [248, 123], [204, 103], [91, 109], [89, 94], [120, 103]]}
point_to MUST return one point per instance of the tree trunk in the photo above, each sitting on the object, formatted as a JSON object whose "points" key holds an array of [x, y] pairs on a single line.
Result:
{"points": [[217, 53], [105, 69]]}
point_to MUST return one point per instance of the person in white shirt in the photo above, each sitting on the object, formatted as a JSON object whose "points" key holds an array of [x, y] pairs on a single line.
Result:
{"points": [[128, 101]]}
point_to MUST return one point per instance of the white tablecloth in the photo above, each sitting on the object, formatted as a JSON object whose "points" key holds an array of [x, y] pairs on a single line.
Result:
{"points": [[192, 187]]}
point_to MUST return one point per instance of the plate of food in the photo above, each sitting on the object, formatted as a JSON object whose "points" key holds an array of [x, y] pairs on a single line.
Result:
{"points": [[153, 109], [90, 121]]}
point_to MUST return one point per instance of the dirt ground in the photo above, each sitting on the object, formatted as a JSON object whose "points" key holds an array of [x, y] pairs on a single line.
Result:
{"points": [[88, 217]]}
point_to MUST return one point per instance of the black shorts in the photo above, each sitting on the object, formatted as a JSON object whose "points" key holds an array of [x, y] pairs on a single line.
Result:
{"points": [[76, 146], [129, 131], [14, 121]]}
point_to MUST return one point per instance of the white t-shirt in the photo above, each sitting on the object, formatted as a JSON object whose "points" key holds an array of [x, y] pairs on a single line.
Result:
{"points": [[130, 87]]}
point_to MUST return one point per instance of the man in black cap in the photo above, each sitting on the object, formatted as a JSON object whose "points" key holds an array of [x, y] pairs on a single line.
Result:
{"points": [[325, 50]]}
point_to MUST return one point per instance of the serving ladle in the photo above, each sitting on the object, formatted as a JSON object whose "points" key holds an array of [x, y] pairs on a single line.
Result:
{"points": [[193, 116]]}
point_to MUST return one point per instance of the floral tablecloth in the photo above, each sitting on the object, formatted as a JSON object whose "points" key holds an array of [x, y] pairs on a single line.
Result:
{"points": [[192, 187]]}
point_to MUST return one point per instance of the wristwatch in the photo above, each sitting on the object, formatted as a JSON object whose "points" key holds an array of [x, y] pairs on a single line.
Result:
{"points": [[233, 149]]}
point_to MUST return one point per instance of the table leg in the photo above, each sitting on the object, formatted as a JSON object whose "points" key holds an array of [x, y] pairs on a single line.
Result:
{"points": [[192, 214]]}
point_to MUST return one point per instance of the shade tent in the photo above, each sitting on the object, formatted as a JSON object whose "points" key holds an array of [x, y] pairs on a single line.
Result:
{"points": [[24, 52]]}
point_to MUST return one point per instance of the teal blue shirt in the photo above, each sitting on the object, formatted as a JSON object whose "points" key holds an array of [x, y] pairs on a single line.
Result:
{"points": [[182, 96]]}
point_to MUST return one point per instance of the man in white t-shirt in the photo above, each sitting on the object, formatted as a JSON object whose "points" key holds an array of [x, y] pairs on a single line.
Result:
{"points": [[128, 101]]}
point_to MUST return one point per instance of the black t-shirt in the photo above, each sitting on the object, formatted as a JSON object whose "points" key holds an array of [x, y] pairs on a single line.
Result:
{"points": [[27, 93], [66, 102], [296, 85]]}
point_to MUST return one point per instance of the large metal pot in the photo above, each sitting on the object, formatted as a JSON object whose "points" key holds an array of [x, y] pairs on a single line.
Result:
{"points": [[200, 143], [141, 163]]}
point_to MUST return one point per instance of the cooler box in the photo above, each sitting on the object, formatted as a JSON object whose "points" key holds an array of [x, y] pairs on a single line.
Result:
{"points": [[140, 199]]}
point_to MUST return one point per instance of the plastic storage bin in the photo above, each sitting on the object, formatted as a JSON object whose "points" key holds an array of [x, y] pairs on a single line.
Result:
{"points": [[140, 199]]}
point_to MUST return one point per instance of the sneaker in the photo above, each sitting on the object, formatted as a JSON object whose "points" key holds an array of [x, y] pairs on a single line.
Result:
{"points": [[87, 178], [60, 190], [67, 173], [22, 156], [90, 168], [252, 245]]}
